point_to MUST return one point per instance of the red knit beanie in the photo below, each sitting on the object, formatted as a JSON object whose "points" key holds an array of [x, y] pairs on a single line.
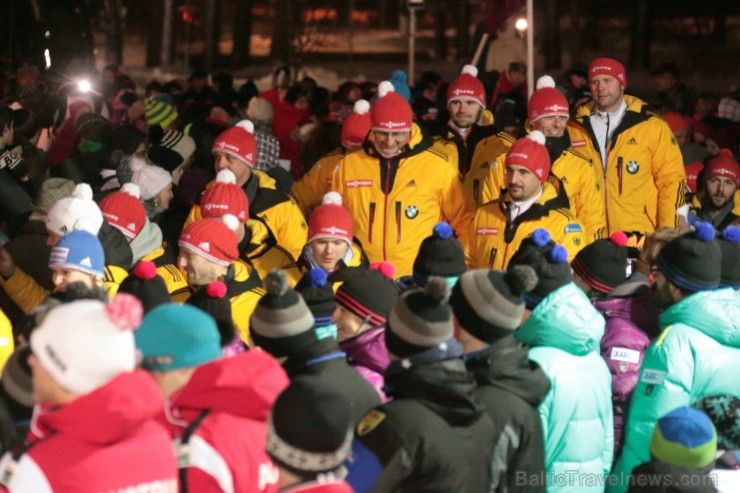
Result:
{"points": [[330, 220], [356, 125], [391, 112], [530, 152], [676, 121], [467, 87], [692, 175], [723, 166], [607, 66], [212, 239], [239, 142], [547, 100], [224, 197], [124, 211]]}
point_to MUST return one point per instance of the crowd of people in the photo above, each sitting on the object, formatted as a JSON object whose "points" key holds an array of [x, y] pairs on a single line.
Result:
{"points": [[447, 288]]}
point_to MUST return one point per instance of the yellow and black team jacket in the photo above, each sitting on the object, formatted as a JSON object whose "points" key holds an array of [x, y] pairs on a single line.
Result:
{"points": [[644, 175], [359, 262], [260, 249], [310, 189], [174, 278], [493, 238], [581, 180], [244, 289], [276, 208], [395, 202], [475, 156]]}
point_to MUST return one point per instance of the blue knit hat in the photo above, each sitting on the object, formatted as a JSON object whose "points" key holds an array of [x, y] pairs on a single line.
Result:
{"points": [[176, 336], [693, 261], [79, 250], [684, 437], [400, 84]]}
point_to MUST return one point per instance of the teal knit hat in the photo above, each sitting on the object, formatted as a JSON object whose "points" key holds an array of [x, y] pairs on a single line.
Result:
{"points": [[684, 437], [173, 336]]}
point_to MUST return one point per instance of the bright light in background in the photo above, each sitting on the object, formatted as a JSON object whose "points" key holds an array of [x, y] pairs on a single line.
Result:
{"points": [[47, 56], [521, 24], [84, 85]]}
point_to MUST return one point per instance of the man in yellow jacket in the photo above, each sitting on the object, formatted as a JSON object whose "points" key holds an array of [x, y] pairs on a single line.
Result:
{"points": [[471, 140], [208, 252], [311, 188], [548, 112], [236, 149], [529, 201], [644, 177], [397, 186]]}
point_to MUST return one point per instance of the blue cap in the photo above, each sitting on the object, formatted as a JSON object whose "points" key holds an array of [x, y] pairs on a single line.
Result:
{"points": [[79, 250], [173, 336]]}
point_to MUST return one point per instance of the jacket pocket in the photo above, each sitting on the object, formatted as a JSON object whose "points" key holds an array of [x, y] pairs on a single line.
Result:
{"points": [[398, 221], [371, 220]]}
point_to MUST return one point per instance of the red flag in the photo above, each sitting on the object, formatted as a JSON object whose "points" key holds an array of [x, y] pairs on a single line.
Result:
{"points": [[498, 12]]}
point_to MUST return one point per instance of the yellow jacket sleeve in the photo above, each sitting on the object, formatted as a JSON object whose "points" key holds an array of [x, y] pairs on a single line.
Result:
{"points": [[6, 340], [310, 189], [453, 205], [494, 182], [24, 290], [669, 175]]}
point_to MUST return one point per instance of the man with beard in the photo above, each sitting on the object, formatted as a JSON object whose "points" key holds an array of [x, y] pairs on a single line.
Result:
{"points": [[714, 202], [548, 112], [470, 134], [698, 351]]}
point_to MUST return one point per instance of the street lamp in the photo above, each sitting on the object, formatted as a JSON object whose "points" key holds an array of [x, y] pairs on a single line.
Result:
{"points": [[521, 26]]}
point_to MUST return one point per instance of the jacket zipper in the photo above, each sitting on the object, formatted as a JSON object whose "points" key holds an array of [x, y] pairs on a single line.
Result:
{"points": [[398, 221], [372, 220], [620, 172], [385, 205], [491, 257], [476, 191]]}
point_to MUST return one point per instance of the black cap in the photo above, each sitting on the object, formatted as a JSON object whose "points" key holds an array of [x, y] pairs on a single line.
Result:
{"points": [[693, 261], [440, 254]]}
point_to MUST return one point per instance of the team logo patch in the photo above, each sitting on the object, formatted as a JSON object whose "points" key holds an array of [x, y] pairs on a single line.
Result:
{"points": [[654, 377], [624, 354], [486, 231], [412, 211], [578, 143], [412, 183], [573, 228], [633, 167], [632, 141], [370, 422], [359, 183]]}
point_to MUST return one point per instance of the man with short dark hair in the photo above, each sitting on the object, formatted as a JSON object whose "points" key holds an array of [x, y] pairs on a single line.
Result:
{"points": [[715, 202]]}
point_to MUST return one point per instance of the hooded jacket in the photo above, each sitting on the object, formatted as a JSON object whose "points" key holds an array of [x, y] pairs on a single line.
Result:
{"points": [[696, 355], [434, 436], [631, 314], [493, 238], [310, 189], [368, 355], [564, 331], [226, 452], [581, 180], [396, 202], [276, 208], [260, 248], [106, 440], [510, 388], [475, 157], [644, 178]]}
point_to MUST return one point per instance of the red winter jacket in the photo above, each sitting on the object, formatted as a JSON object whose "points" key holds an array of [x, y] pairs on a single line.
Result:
{"points": [[226, 452], [104, 441]]}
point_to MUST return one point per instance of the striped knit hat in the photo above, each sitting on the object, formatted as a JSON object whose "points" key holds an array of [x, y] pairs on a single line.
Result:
{"points": [[729, 243], [603, 264], [693, 261], [281, 323], [685, 437], [159, 113], [370, 294]]}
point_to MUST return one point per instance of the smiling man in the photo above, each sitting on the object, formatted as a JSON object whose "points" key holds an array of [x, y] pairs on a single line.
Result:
{"points": [[644, 177], [715, 200], [396, 186], [528, 202]]}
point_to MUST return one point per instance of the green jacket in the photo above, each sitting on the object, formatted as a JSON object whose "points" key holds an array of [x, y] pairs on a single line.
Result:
{"points": [[564, 331], [696, 355]]}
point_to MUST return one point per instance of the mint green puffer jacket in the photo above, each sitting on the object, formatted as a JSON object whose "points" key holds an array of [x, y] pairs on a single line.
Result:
{"points": [[564, 331], [696, 355]]}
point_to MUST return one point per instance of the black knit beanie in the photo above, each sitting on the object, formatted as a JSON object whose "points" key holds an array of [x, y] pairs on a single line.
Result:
{"points": [[440, 254], [693, 261], [421, 319], [319, 296], [489, 304], [281, 323], [212, 299], [370, 294], [548, 259], [310, 428], [145, 284], [603, 264], [729, 243]]}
